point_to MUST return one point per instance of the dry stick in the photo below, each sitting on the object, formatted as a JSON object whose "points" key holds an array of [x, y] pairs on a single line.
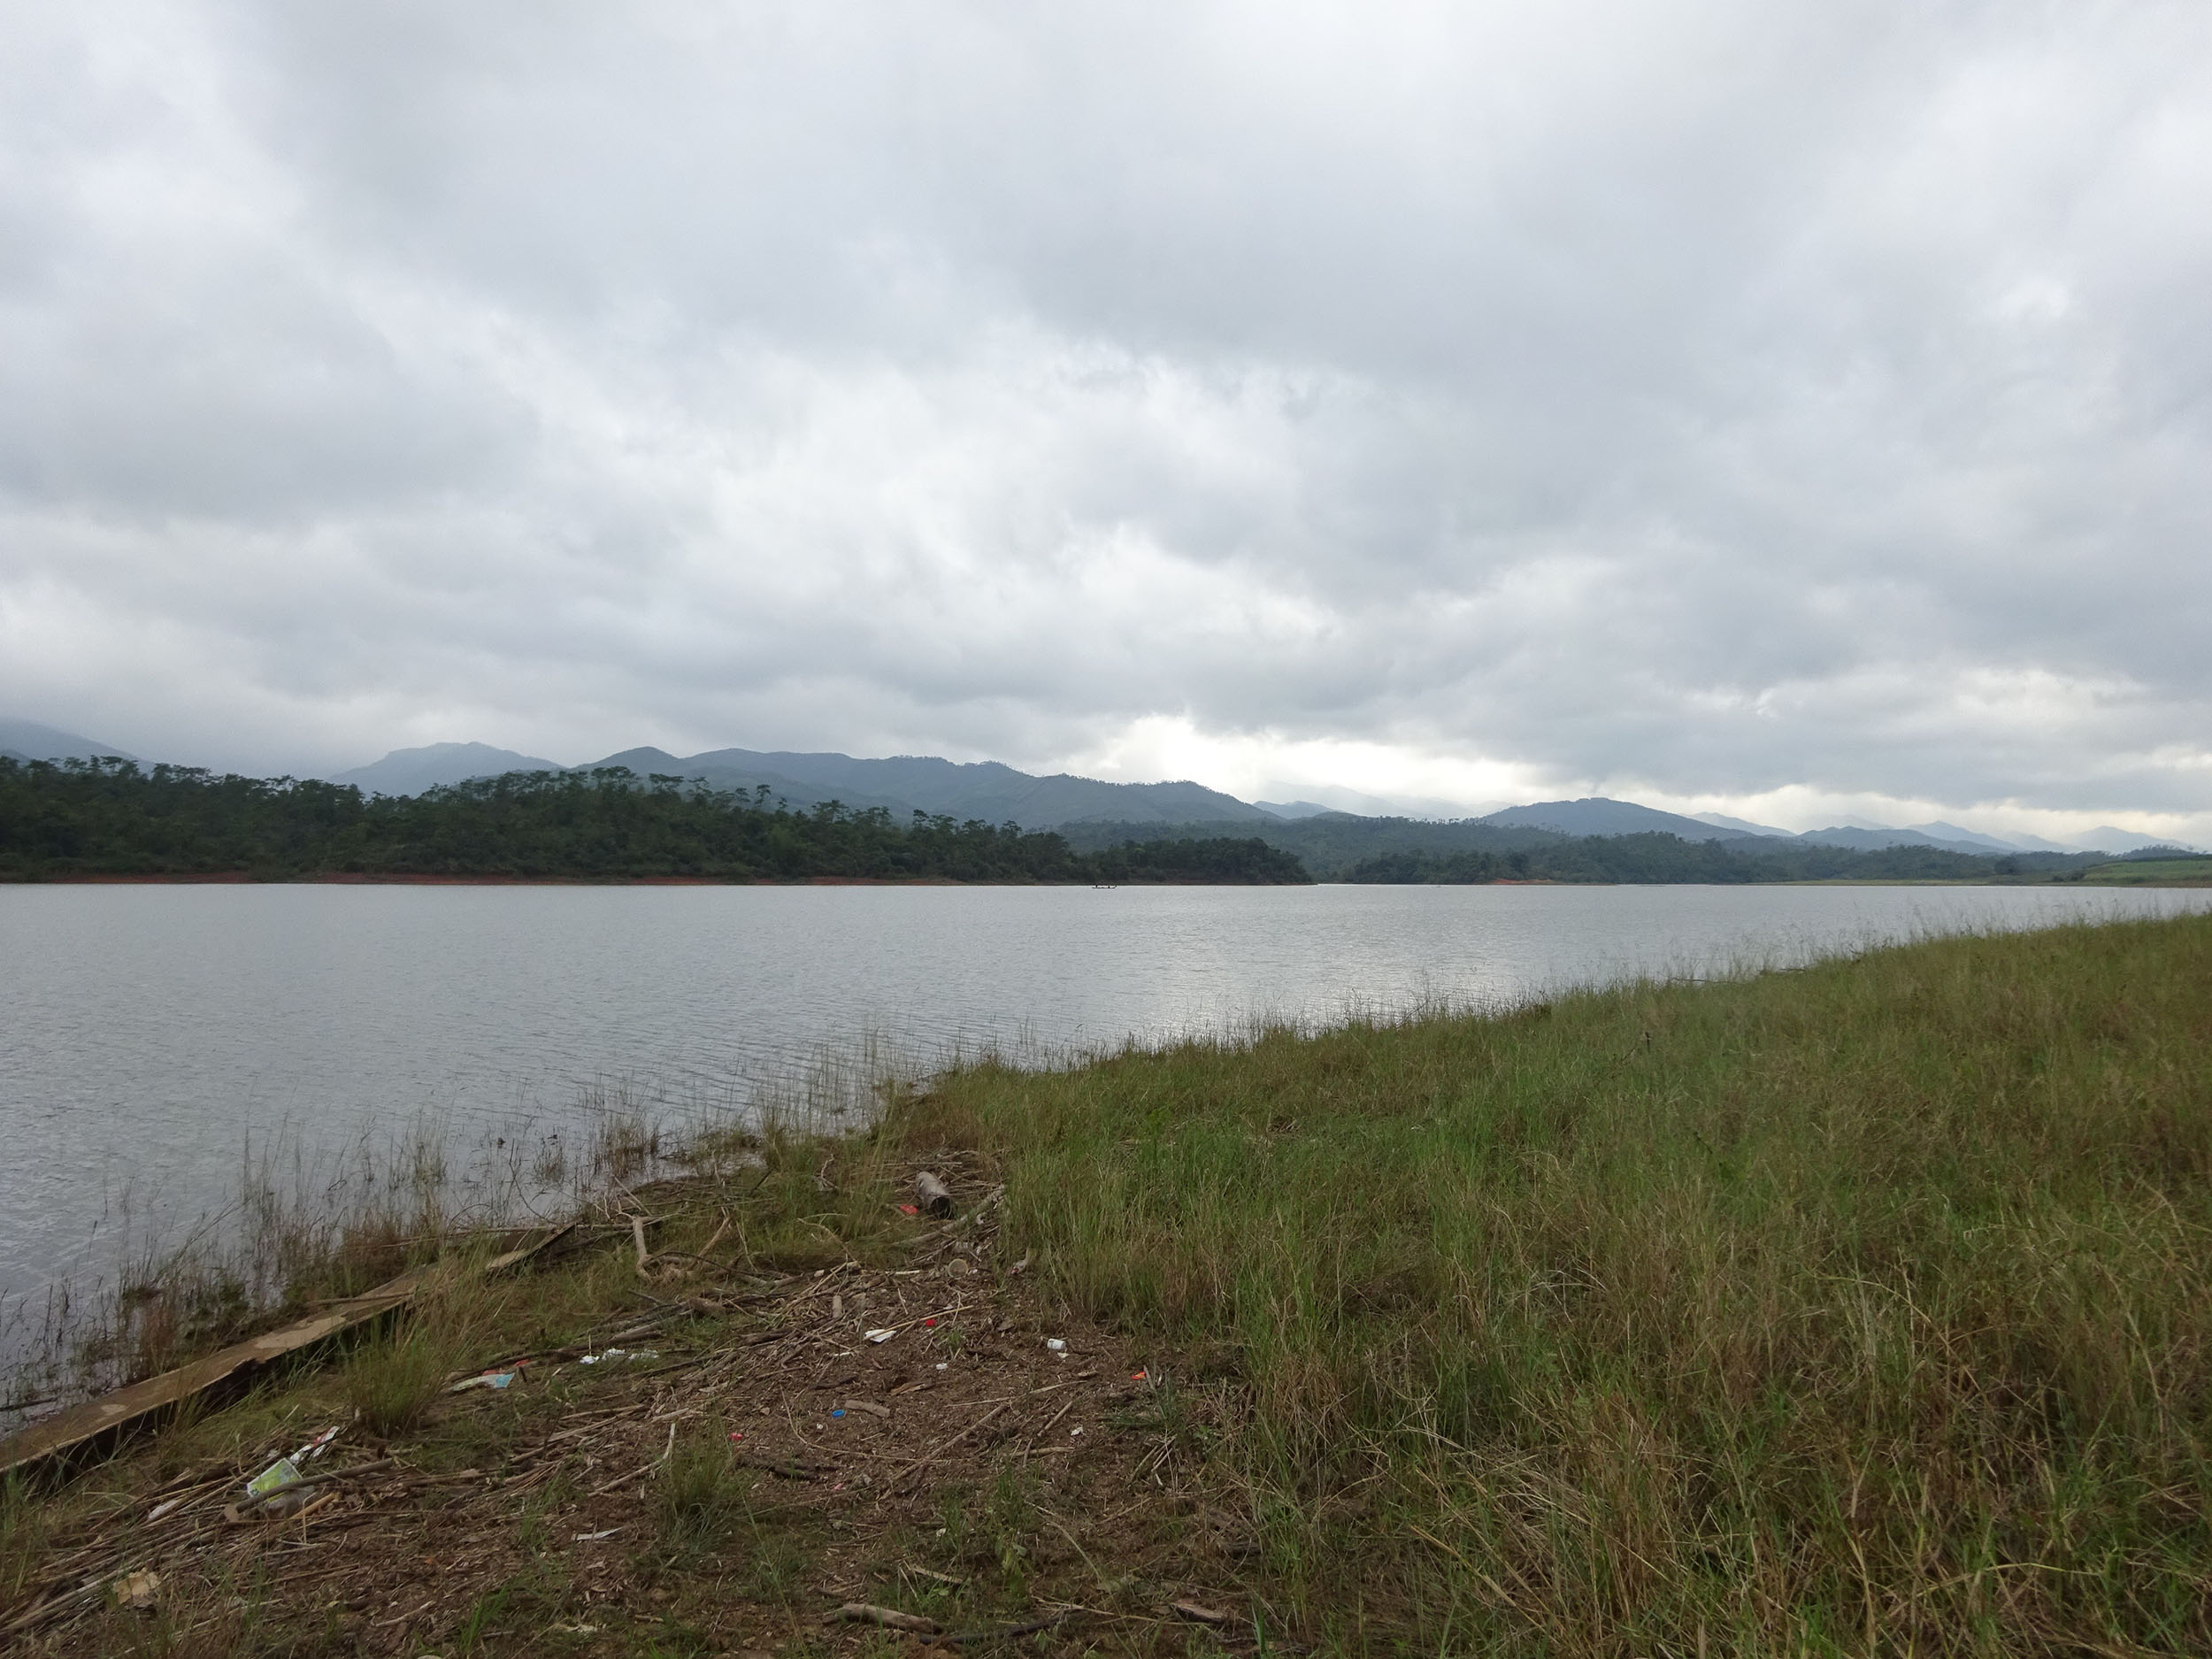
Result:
{"points": [[821, 1283], [1056, 1415], [959, 1306], [644, 1469], [687, 1256], [940, 1449], [637, 1232], [212, 1471], [383, 1624], [784, 1468], [457, 1476], [681, 1364], [890, 1618], [997, 1630]]}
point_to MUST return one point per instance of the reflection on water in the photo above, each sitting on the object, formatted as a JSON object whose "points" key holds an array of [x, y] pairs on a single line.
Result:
{"points": [[151, 1032]]}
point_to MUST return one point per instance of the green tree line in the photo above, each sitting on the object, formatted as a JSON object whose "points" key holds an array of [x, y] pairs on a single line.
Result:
{"points": [[59, 820], [1338, 847], [1661, 858]]}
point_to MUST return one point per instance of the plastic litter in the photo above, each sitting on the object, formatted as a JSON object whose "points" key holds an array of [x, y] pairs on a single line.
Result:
{"points": [[838, 1411], [593, 1538], [270, 1492], [1136, 1376], [317, 1447], [1057, 1345], [487, 1380], [944, 1364], [282, 1473], [632, 1354], [882, 1335]]}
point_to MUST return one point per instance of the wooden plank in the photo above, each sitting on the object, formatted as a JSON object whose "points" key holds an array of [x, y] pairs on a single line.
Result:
{"points": [[81, 1428], [91, 1426]]}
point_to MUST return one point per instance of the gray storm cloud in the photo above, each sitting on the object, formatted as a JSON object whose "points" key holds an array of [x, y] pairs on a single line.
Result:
{"points": [[1704, 400]]}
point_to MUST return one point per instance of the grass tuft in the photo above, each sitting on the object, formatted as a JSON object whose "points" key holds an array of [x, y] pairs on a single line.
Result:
{"points": [[395, 1378], [700, 1495]]}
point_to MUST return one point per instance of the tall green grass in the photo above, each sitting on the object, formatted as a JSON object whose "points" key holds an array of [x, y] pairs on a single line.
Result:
{"points": [[1864, 1306]]}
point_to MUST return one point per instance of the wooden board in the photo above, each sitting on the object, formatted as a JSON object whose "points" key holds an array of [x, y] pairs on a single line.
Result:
{"points": [[89, 1427], [83, 1428]]}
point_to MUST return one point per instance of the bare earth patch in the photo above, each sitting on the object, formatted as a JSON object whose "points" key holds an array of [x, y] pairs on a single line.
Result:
{"points": [[748, 1463]]}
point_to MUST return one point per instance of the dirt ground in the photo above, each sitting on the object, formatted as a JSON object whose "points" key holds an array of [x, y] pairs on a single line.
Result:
{"points": [[759, 1455]]}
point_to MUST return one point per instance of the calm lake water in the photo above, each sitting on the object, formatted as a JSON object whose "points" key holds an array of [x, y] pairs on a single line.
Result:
{"points": [[148, 1033]]}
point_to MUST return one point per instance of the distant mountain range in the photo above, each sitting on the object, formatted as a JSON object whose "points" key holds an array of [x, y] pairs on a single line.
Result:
{"points": [[984, 789], [997, 794], [901, 785], [1598, 816]]}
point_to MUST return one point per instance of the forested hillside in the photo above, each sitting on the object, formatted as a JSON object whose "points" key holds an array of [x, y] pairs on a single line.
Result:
{"points": [[111, 818], [1338, 847]]}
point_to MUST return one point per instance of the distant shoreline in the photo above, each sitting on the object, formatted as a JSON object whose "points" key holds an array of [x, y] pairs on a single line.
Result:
{"points": [[243, 878]]}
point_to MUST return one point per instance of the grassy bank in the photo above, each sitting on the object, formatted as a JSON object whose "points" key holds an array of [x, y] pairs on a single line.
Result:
{"points": [[2137, 872], [1866, 1304], [1863, 1308]]}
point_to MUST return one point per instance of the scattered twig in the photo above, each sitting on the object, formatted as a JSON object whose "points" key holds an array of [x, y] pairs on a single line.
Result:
{"points": [[890, 1618], [942, 1446], [783, 1467], [1199, 1612], [642, 1469], [997, 1632]]}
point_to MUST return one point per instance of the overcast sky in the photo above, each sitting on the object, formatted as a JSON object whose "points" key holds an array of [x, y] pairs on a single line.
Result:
{"points": [[1799, 411]]}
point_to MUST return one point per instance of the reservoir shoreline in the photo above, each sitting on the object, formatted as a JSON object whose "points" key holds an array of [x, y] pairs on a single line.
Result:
{"points": [[1909, 1243]]}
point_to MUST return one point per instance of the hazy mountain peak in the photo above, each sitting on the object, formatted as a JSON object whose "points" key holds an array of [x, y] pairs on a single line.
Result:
{"points": [[2109, 838], [1598, 815], [28, 740], [1938, 830], [1721, 820], [411, 771]]}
